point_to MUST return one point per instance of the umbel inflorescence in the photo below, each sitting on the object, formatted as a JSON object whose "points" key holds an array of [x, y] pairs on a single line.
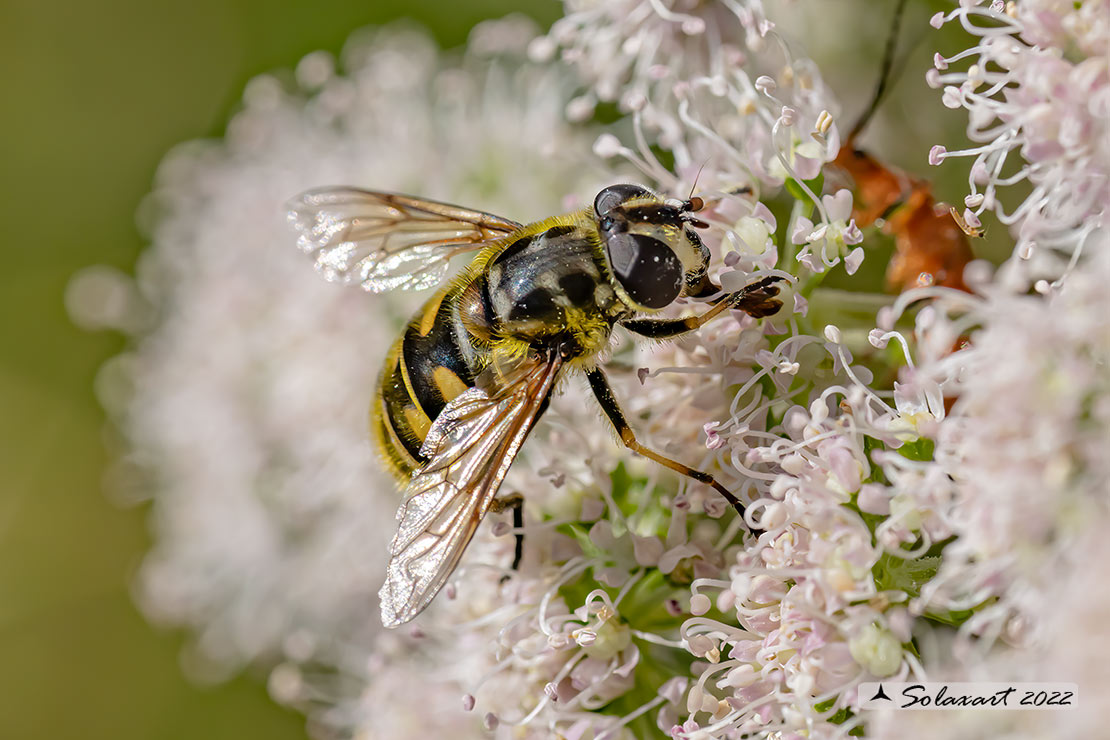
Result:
{"points": [[920, 469]]}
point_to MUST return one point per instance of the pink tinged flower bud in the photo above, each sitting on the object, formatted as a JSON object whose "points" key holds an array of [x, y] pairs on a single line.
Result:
{"points": [[980, 175], [693, 26], [673, 689], [873, 499], [607, 146], [647, 550], [788, 116], [971, 219], [853, 260], [740, 677], [774, 516], [807, 168], [714, 508], [633, 100], [592, 509], [286, 683], [803, 227], [932, 79], [782, 485], [801, 305], [467, 702], [974, 200], [951, 97], [763, 213], [940, 62], [937, 20], [542, 49], [936, 155], [878, 338], [765, 84], [852, 235], [694, 699], [901, 623], [699, 604], [978, 272], [580, 109], [793, 464]]}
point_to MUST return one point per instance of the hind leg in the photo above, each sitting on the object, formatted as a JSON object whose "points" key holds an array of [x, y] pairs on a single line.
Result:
{"points": [[515, 502]]}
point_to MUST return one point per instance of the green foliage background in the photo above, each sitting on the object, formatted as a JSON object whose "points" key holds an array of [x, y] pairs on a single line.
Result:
{"points": [[94, 94]]}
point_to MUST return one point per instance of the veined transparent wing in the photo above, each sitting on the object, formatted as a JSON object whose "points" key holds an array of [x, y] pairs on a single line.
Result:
{"points": [[386, 241], [470, 447]]}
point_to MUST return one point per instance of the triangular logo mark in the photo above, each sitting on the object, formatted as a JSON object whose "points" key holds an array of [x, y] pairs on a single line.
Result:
{"points": [[880, 694]]}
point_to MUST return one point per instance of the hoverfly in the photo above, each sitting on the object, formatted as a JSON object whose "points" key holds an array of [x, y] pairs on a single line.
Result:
{"points": [[473, 371]]}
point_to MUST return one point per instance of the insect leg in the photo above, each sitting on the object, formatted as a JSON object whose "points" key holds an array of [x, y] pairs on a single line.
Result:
{"points": [[604, 394], [515, 502], [757, 299]]}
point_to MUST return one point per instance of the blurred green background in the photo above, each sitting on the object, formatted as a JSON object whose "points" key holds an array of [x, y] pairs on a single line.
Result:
{"points": [[95, 94]]}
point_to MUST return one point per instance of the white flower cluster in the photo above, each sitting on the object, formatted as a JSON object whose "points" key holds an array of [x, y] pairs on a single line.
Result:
{"points": [[711, 83], [1025, 453], [906, 483], [1037, 90]]}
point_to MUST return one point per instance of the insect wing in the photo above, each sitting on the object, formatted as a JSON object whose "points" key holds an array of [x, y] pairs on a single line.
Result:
{"points": [[385, 241], [470, 447]]}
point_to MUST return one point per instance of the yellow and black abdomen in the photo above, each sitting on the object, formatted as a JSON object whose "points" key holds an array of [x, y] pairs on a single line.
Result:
{"points": [[544, 285], [434, 361]]}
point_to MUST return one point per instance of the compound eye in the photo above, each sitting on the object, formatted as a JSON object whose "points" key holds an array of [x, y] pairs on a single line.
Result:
{"points": [[648, 270], [614, 195]]}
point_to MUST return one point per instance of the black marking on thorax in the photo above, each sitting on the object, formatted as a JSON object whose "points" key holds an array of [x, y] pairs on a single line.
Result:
{"points": [[537, 278]]}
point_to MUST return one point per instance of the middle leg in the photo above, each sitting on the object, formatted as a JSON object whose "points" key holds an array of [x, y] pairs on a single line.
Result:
{"points": [[604, 394]]}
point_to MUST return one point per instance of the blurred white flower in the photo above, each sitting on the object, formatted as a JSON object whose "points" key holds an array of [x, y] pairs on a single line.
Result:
{"points": [[1025, 446]]}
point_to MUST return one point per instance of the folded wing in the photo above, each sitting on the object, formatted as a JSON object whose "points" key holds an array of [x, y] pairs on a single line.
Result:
{"points": [[470, 447], [386, 241]]}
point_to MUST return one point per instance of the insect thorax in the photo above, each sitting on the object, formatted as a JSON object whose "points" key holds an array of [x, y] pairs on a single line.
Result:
{"points": [[548, 286]]}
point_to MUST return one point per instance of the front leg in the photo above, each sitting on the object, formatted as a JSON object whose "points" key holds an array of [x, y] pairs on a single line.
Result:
{"points": [[604, 394], [757, 299]]}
